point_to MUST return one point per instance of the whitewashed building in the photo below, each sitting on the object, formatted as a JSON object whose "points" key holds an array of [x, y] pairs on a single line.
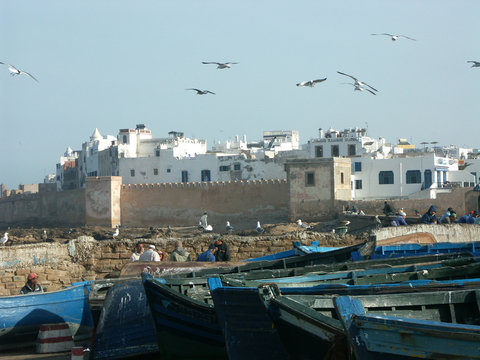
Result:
{"points": [[66, 172]]}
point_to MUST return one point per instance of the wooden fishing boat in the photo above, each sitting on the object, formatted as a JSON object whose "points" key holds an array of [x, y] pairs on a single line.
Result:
{"points": [[309, 327], [125, 326], [398, 336], [185, 321], [376, 275], [22, 315], [249, 330]]}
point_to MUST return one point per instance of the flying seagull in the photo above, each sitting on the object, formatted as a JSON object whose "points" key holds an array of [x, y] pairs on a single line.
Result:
{"points": [[202, 92], [360, 88], [310, 83], [15, 71], [475, 63], [358, 82], [226, 65], [396, 37]]}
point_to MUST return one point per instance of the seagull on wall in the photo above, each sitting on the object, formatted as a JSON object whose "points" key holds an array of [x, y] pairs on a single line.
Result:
{"points": [[396, 37], [259, 228], [358, 82], [4, 239], [311, 83], [475, 63], [359, 88], [228, 227], [202, 92], [303, 225], [115, 234], [15, 71], [226, 65]]}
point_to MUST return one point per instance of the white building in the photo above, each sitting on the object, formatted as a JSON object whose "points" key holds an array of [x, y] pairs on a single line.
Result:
{"points": [[349, 142], [405, 176], [66, 172]]}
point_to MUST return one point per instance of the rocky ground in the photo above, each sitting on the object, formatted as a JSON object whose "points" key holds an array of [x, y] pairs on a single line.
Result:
{"points": [[62, 235]]}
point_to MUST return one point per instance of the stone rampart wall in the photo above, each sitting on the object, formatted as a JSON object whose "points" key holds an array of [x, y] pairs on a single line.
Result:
{"points": [[243, 203], [66, 208]]}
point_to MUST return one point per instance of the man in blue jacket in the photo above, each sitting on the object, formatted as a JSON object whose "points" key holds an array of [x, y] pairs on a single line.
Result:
{"points": [[430, 216], [208, 255]]}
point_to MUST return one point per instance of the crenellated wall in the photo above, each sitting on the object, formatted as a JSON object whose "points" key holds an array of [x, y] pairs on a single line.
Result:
{"points": [[243, 203]]}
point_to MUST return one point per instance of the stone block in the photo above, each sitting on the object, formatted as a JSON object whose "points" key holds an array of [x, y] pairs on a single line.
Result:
{"points": [[14, 292], [19, 278], [6, 279], [21, 272], [110, 256], [10, 285], [5, 292]]}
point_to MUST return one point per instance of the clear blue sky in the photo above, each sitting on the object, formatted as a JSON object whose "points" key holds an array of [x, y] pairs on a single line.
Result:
{"points": [[114, 64]]}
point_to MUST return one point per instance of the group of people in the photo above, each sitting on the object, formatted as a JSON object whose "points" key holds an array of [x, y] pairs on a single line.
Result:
{"points": [[152, 254], [450, 217], [217, 251]]}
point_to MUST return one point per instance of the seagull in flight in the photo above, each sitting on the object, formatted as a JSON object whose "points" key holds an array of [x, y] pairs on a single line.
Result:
{"points": [[396, 37], [475, 63], [15, 71], [226, 65], [311, 83], [358, 82], [202, 92], [360, 88]]}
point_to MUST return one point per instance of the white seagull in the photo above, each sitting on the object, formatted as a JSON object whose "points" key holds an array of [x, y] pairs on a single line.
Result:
{"points": [[15, 71], [202, 92], [475, 63], [226, 65], [310, 83], [259, 228], [359, 88], [228, 227], [396, 37], [115, 234], [302, 225], [358, 82], [4, 239]]}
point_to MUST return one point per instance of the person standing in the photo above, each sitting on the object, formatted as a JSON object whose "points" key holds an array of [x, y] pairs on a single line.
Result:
{"points": [[388, 209], [138, 251], [150, 254], [179, 254], [222, 253], [208, 255], [32, 285]]}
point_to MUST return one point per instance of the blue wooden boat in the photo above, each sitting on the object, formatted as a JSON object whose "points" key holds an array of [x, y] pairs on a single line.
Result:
{"points": [[298, 250], [250, 331], [390, 251], [185, 321], [22, 315], [375, 336], [125, 326], [309, 327]]}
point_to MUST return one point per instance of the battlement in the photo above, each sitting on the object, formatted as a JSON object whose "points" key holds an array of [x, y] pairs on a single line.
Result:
{"points": [[203, 184]]}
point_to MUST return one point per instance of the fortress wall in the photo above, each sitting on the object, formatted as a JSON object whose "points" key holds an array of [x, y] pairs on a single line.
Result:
{"points": [[181, 204]]}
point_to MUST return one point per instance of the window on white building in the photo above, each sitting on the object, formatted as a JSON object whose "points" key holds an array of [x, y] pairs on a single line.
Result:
{"points": [[319, 151], [358, 184], [169, 170], [335, 151], [224, 168], [309, 179], [155, 171], [132, 172], [357, 166], [385, 177], [352, 150], [124, 139], [157, 152], [184, 176], [342, 178], [206, 175], [236, 167], [413, 177]]}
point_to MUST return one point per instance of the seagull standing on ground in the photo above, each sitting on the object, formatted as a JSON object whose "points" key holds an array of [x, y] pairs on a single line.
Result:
{"points": [[259, 228], [396, 37], [311, 83], [475, 63], [115, 234], [202, 92], [15, 71], [359, 83], [228, 227], [4, 239], [303, 225], [226, 65]]}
